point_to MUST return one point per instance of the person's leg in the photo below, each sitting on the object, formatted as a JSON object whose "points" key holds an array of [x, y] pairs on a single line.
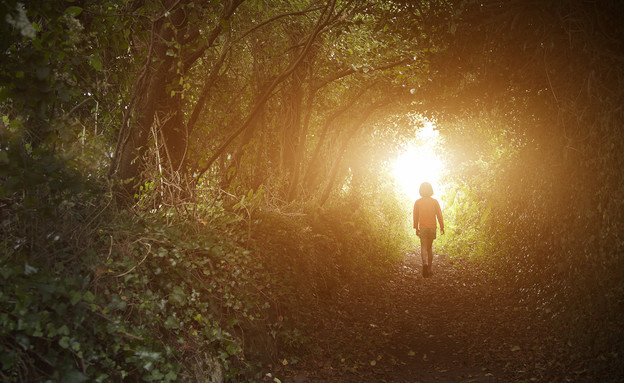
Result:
{"points": [[423, 253], [426, 246], [430, 254], [429, 247]]}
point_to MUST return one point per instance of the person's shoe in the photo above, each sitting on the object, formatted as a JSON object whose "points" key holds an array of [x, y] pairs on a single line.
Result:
{"points": [[425, 273]]}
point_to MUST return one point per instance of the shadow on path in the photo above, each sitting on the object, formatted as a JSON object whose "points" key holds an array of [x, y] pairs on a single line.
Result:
{"points": [[456, 326]]}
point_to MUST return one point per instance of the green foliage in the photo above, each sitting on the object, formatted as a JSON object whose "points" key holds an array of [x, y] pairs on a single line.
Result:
{"points": [[535, 187], [51, 65], [146, 297], [38, 340], [320, 253], [186, 284], [547, 213], [476, 161], [539, 220]]}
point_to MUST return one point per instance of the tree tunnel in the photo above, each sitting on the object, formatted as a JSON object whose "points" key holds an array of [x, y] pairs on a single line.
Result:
{"points": [[198, 169]]}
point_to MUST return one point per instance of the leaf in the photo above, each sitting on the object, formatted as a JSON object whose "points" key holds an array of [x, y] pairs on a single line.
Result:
{"points": [[177, 297], [28, 269], [75, 297], [74, 376], [373, 362], [89, 297], [411, 353], [64, 342], [73, 11], [96, 62], [515, 348], [171, 322]]}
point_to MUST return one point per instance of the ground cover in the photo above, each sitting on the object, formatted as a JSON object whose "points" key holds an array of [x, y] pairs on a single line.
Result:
{"points": [[457, 326]]}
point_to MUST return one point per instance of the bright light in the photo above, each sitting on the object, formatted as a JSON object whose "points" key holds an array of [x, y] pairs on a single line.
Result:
{"points": [[420, 163]]}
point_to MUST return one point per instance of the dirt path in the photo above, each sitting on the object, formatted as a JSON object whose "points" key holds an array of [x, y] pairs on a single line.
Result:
{"points": [[453, 327]]}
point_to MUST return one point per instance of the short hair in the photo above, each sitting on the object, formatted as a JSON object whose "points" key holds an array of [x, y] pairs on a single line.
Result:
{"points": [[426, 190]]}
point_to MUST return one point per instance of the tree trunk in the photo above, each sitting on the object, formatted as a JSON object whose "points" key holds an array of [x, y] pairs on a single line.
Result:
{"points": [[152, 101], [312, 169], [321, 23], [295, 179], [291, 128], [329, 186]]}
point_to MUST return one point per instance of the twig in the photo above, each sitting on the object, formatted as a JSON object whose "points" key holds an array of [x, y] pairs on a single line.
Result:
{"points": [[110, 248], [149, 250], [321, 23], [296, 13]]}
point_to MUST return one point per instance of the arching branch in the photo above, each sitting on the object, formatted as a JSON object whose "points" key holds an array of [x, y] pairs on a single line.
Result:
{"points": [[322, 22], [345, 144]]}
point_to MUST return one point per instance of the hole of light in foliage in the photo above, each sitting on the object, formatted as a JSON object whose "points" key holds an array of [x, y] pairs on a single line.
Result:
{"points": [[420, 163]]}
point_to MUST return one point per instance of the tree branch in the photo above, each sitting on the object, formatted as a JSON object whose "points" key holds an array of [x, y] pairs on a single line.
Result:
{"points": [[199, 106], [343, 148], [350, 71], [254, 28], [309, 177], [322, 21]]}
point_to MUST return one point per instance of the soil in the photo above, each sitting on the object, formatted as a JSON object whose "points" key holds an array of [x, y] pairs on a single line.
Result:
{"points": [[455, 326]]}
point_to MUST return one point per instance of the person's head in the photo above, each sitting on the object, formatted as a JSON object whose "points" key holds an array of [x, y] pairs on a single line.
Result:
{"points": [[426, 190]]}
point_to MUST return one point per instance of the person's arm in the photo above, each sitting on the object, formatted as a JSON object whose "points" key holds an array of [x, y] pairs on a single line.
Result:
{"points": [[416, 217], [439, 215]]}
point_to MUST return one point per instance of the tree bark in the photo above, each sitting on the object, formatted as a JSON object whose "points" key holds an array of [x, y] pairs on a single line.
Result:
{"points": [[150, 99], [292, 129]]}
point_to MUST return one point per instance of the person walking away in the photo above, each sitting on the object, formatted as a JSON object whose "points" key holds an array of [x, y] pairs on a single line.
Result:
{"points": [[426, 211]]}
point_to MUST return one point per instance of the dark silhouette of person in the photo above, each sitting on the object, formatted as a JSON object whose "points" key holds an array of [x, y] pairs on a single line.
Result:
{"points": [[426, 210]]}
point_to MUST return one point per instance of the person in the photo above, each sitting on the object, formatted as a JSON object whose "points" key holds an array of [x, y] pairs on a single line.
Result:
{"points": [[426, 210]]}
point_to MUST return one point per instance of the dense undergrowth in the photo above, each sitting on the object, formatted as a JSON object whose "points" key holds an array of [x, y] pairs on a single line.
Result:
{"points": [[538, 187], [219, 287], [170, 288], [95, 293], [547, 220]]}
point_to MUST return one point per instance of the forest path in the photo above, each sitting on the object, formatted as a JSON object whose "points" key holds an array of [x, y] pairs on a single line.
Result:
{"points": [[456, 326]]}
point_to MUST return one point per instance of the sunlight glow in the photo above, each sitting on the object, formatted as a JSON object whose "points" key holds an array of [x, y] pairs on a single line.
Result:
{"points": [[420, 163]]}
